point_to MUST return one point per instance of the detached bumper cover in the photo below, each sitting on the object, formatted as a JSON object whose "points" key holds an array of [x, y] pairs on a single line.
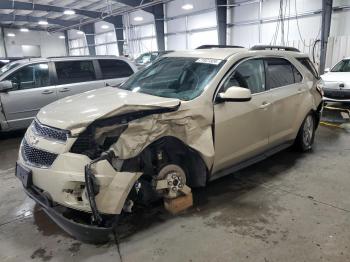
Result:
{"points": [[83, 232]]}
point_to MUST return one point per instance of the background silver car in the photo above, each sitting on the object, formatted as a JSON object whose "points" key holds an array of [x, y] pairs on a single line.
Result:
{"points": [[29, 84]]}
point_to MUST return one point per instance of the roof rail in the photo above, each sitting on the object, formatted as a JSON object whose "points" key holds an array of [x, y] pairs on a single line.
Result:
{"points": [[218, 46], [275, 47], [80, 56]]}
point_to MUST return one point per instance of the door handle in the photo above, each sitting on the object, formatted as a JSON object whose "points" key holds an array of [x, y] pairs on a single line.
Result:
{"points": [[47, 92], [66, 89], [264, 105]]}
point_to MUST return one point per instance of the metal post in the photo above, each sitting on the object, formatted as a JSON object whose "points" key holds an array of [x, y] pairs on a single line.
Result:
{"points": [[89, 31], [186, 30], [260, 24], [221, 18], [66, 41], [118, 23], [327, 6], [158, 12], [3, 40]]}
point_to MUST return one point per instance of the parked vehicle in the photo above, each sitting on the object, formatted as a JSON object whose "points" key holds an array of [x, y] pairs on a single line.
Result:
{"points": [[147, 58], [6, 60], [187, 119], [336, 82], [29, 84]]}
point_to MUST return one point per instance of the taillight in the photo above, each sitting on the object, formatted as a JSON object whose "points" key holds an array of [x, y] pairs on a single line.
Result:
{"points": [[319, 88]]}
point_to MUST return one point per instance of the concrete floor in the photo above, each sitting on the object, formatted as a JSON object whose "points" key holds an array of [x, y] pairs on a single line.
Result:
{"points": [[290, 207]]}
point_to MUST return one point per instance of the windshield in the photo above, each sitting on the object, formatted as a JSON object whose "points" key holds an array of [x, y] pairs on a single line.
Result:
{"points": [[342, 66], [8, 67], [143, 59], [175, 77]]}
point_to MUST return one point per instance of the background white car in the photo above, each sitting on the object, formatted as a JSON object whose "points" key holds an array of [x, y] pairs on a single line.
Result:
{"points": [[337, 82]]}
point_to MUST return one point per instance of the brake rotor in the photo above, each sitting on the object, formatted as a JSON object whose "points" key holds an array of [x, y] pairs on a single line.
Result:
{"points": [[171, 181]]}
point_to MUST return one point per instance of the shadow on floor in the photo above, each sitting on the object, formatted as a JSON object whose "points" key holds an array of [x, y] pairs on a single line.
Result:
{"points": [[12, 134], [219, 194]]}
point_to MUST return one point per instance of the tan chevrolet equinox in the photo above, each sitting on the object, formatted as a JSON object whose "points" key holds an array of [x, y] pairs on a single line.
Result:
{"points": [[187, 119]]}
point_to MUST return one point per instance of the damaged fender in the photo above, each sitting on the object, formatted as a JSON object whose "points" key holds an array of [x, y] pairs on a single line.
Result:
{"points": [[192, 128]]}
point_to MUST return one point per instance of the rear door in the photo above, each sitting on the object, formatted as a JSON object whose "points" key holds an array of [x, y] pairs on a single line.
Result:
{"points": [[287, 89], [34, 90], [75, 76], [114, 71]]}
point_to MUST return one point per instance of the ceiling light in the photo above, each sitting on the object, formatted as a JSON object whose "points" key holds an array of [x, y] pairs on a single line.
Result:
{"points": [[138, 18], [61, 37], [69, 12], [43, 22], [104, 26], [80, 32], [24, 30], [11, 35], [187, 7]]}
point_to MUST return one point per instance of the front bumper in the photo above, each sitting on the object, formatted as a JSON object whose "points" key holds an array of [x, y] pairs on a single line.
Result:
{"points": [[336, 95], [61, 187], [83, 232]]}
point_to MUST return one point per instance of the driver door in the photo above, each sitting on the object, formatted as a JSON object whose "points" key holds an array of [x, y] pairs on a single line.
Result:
{"points": [[242, 128]]}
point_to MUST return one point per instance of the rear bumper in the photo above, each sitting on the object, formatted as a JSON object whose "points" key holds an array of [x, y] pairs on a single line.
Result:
{"points": [[83, 232]]}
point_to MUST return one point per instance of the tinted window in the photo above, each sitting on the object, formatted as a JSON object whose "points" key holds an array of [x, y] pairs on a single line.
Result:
{"points": [[75, 71], [297, 76], [115, 69], [31, 76], [309, 66], [280, 72], [249, 74]]}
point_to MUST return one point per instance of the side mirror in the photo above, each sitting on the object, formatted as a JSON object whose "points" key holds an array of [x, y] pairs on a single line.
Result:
{"points": [[6, 85], [235, 94], [326, 70]]}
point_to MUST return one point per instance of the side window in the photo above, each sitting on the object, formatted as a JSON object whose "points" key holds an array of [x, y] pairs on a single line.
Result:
{"points": [[250, 74], [297, 76], [31, 76], [305, 61], [75, 71], [279, 72], [112, 68]]}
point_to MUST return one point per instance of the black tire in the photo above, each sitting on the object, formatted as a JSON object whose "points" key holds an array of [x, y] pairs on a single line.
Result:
{"points": [[306, 134]]}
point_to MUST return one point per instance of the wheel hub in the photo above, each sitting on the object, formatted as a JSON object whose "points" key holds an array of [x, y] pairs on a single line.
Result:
{"points": [[171, 181]]}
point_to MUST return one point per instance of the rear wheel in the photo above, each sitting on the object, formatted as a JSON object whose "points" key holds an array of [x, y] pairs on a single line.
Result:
{"points": [[306, 134]]}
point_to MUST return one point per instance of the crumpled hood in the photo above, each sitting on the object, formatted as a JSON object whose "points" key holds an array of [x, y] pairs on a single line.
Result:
{"points": [[78, 111]]}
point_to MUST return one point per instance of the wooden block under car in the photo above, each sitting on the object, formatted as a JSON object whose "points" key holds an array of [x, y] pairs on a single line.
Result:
{"points": [[179, 204]]}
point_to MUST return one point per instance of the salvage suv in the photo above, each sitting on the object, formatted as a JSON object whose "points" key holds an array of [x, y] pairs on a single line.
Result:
{"points": [[188, 118]]}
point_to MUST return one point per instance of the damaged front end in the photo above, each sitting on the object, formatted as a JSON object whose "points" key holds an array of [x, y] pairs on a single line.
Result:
{"points": [[120, 160]]}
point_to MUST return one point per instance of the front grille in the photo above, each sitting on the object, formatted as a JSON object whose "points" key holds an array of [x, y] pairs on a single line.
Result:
{"points": [[37, 157], [337, 93], [49, 132]]}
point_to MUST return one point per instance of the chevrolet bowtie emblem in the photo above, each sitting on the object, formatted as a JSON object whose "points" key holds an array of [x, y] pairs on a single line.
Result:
{"points": [[33, 140]]}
